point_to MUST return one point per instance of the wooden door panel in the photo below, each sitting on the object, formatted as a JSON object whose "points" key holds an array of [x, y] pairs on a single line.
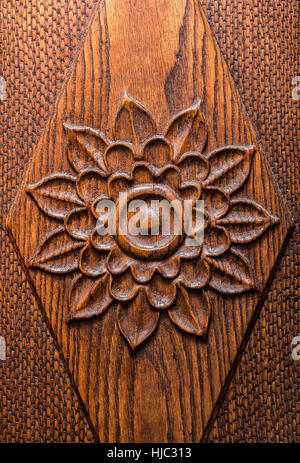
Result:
{"points": [[137, 369]]}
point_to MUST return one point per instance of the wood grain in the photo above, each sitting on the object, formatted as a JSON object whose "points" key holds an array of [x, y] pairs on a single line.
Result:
{"points": [[168, 68]]}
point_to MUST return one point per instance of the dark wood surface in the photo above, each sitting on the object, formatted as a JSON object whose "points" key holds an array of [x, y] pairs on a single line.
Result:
{"points": [[205, 365]]}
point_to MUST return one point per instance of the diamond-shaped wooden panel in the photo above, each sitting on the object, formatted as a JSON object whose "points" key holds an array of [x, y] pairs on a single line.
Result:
{"points": [[151, 330]]}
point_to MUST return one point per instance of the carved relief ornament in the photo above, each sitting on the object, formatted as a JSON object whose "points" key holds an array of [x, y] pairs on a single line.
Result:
{"points": [[142, 276]]}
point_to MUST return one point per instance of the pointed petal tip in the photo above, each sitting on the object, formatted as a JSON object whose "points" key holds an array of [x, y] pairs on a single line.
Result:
{"points": [[201, 333], [196, 108], [33, 263], [275, 220], [67, 126], [29, 188], [132, 342], [71, 318], [257, 286], [195, 331], [252, 149], [197, 105], [133, 346], [137, 341], [126, 98], [205, 331]]}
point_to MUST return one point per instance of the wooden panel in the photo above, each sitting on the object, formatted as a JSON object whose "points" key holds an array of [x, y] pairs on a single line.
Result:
{"points": [[168, 69]]}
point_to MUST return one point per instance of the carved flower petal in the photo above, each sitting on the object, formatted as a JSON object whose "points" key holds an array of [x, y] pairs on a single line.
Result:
{"points": [[57, 253], [181, 128], [123, 287], [195, 274], [142, 174], [143, 271], [231, 274], [137, 320], [158, 152], [119, 157], [92, 262], [216, 202], [102, 243], [191, 311], [193, 167], [188, 252], [56, 195], [118, 184], [170, 268], [161, 293], [246, 221], [86, 148], [80, 224], [190, 192], [133, 122], [170, 176], [229, 167], [91, 185], [117, 261], [102, 208], [88, 297], [216, 241]]}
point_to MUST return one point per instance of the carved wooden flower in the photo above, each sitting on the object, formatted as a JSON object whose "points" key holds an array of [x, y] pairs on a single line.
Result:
{"points": [[148, 274]]}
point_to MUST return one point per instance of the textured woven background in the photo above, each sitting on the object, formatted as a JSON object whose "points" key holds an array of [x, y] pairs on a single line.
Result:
{"points": [[38, 40]]}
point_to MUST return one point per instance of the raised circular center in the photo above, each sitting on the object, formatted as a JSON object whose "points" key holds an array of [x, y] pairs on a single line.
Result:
{"points": [[149, 221]]}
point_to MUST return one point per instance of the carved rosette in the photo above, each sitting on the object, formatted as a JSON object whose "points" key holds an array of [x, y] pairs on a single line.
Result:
{"points": [[144, 274]]}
